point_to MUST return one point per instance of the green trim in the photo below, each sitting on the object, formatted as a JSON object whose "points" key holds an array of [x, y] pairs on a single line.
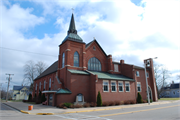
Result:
{"points": [[64, 91], [78, 72], [104, 75]]}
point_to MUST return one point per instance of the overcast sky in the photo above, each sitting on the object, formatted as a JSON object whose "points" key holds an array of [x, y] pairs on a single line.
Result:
{"points": [[132, 30]]}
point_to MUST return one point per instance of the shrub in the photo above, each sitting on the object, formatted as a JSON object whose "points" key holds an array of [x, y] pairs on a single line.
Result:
{"points": [[86, 105], [24, 100], [99, 99], [117, 102], [43, 98], [122, 103], [71, 106], [67, 104], [144, 101], [132, 101], [77, 106], [139, 98], [38, 101], [30, 97], [93, 104], [105, 103], [150, 100], [127, 102], [39, 93], [64, 107], [111, 103], [61, 105]]}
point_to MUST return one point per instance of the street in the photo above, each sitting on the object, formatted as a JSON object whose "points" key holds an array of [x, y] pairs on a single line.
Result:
{"points": [[168, 111]]}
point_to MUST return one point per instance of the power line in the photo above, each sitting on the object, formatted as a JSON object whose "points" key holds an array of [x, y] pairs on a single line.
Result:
{"points": [[8, 85], [27, 51]]}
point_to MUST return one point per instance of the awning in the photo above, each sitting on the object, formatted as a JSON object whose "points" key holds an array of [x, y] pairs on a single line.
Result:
{"points": [[51, 91]]}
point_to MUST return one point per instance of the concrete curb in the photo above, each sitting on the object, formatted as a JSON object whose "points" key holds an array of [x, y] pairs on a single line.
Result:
{"points": [[12, 107], [25, 112], [44, 113], [139, 105], [96, 109]]}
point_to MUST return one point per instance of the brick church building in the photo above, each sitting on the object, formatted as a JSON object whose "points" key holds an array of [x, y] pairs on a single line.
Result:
{"points": [[84, 69]]}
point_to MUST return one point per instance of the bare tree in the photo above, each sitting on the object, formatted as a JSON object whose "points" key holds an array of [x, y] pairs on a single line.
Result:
{"points": [[165, 76], [40, 67], [178, 77], [32, 70]]}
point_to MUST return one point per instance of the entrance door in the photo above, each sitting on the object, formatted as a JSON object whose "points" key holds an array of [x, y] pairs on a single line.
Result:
{"points": [[50, 99], [150, 93]]}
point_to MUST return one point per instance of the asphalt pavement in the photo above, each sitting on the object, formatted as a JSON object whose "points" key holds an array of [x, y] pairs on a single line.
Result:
{"points": [[39, 109]]}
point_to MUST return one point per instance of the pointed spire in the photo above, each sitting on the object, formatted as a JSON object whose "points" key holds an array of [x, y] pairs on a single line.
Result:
{"points": [[72, 27]]}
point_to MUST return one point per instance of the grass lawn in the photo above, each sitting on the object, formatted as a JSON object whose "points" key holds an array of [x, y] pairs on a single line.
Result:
{"points": [[169, 99]]}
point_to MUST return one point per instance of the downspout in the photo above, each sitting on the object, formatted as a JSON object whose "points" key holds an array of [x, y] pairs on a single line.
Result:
{"points": [[135, 84]]}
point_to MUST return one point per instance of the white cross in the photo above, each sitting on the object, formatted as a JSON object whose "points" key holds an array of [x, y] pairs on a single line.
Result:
{"points": [[72, 10]]}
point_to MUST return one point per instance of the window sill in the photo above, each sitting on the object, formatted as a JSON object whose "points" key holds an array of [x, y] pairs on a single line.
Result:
{"points": [[105, 91]]}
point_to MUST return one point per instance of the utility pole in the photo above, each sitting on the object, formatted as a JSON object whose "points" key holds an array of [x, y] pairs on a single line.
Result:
{"points": [[8, 85]]}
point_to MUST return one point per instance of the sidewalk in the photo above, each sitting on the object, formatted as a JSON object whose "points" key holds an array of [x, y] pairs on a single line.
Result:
{"points": [[39, 109]]}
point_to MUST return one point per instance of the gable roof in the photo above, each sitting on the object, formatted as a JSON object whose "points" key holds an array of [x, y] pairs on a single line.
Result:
{"points": [[175, 86], [53, 68], [89, 44], [20, 87]]}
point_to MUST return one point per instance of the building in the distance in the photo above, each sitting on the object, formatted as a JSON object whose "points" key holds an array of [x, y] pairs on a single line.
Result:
{"points": [[84, 69], [21, 92], [171, 92]]}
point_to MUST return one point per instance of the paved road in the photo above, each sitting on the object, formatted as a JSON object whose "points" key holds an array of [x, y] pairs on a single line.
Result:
{"points": [[164, 112]]}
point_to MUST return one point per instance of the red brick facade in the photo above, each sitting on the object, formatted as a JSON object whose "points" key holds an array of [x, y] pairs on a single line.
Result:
{"points": [[89, 85]]}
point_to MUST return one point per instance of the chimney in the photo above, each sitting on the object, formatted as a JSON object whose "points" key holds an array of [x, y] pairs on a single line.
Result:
{"points": [[122, 61]]}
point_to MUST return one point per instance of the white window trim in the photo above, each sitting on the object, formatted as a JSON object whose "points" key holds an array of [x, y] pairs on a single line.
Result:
{"points": [[129, 86], [140, 86], [103, 85], [115, 86], [122, 86], [138, 74]]}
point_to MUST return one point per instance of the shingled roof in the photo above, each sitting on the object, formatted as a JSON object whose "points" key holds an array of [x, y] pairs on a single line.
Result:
{"points": [[53, 68]]}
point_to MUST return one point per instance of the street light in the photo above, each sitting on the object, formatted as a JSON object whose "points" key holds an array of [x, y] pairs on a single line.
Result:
{"points": [[145, 63]]}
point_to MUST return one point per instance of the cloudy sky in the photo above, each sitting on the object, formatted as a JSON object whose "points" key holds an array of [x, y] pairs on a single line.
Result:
{"points": [[132, 30]]}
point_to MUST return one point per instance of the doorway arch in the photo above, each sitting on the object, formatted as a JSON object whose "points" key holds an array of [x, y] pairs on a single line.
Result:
{"points": [[150, 93]]}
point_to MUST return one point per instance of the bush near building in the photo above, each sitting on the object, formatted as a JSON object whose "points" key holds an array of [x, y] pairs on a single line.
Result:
{"points": [[139, 98], [99, 99]]}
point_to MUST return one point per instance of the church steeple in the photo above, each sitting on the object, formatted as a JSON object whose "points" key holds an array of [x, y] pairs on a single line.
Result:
{"points": [[72, 32], [72, 27]]}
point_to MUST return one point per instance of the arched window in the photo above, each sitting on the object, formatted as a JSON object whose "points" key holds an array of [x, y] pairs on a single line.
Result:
{"points": [[76, 59], [44, 84], [50, 84], [40, 86], [94, 64], [63, 60]]}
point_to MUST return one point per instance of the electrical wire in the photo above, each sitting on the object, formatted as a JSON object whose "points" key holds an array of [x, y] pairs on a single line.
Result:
{"points": [[27, 52]]}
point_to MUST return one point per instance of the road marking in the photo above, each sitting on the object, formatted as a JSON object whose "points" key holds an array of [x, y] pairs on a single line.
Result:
{"points": [[76, 116], [137, 111]]}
